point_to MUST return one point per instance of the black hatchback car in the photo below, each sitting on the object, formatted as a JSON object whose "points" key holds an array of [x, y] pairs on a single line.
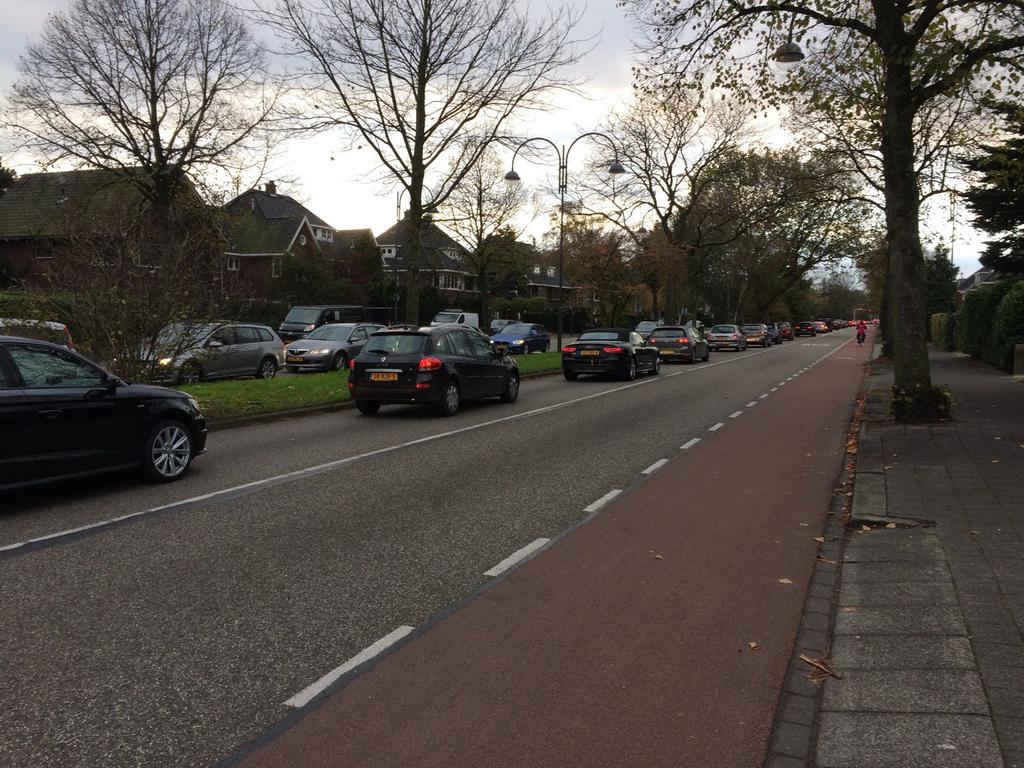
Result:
{"points": [[63, 416], [441, 366]]}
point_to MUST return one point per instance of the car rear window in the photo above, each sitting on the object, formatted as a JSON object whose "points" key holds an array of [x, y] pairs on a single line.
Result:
{"points": [[723, 329], [396, 343], [668, 333], [40, 331], [753, 328]]}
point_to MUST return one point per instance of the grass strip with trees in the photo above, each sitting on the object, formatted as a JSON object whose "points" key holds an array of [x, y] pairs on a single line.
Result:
{"points": [[227, 401]]}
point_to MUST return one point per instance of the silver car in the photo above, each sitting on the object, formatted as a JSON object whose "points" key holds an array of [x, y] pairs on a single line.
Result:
{"points": [[218, 351], [329, 347]]}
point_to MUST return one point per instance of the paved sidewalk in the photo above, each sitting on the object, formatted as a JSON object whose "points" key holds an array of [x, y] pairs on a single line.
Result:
{"points": [[929, 631]]}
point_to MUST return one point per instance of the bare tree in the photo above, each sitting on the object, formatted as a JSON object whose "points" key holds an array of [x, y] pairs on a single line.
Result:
{"points": [[425, 85], [482, 212], [154, 91]]}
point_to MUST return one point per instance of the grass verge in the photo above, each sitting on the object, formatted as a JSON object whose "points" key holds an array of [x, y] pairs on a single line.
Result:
{"points": [[229, 400]]}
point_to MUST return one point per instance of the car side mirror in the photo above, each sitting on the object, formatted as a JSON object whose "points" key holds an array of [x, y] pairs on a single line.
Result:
{"points": [[214, 344]]}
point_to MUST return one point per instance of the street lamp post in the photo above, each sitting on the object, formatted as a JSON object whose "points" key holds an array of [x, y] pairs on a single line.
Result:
{"points": [[563, 183]]}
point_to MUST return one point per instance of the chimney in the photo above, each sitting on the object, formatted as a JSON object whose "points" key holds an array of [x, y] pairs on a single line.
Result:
{"points": [[271, 188]]}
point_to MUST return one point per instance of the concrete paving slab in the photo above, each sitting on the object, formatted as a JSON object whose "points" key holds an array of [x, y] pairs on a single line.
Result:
{"points": [[902, 652], [921, 690], [901, 620], [886, 740], [854, 573], [902, 593]]}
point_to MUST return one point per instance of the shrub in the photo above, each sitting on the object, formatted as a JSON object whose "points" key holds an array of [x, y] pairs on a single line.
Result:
{"points": [[974, 332], [1007, 328], [935, 326], [921, 404], [949, 332]]}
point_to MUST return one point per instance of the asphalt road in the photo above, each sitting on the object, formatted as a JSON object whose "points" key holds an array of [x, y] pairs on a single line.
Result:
{"points": [[171, 638]]}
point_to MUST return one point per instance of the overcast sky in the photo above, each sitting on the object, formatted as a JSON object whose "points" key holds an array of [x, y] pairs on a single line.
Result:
{"points": [[343, 190]]}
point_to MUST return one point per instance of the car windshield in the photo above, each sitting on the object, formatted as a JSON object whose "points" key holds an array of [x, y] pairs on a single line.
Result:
{"points": [[604, 336], [396, 344], [664, 333], [724, 329], [183, 335], [302, 315], [646, 326], [446, 317], [521, 328], [332, 332], [753, 328]]}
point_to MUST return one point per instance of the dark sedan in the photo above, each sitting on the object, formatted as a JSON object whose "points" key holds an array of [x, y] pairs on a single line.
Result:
{"points": [[610, 350], [62, 416], [676, 342], [805, 328], [442, 366], [329, 347], [785, 331]]}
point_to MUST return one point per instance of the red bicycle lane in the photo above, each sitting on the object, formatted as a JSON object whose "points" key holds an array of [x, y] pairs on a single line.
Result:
{"points": [[627, 643]]}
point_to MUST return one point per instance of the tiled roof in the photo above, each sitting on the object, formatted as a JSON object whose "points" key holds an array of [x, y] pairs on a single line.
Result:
{"points": [[275, 206], [250, 233], [40, 204], [435, 243]]}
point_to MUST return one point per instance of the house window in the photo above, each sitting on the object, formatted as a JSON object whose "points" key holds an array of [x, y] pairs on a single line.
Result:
{"points": [[388, 252], [324, 234], [536, 270], [233, 263], [275, 268], [551, 271]]}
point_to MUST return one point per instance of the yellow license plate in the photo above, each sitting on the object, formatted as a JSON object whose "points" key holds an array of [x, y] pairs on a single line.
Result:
{"points": [[383, 377], [590, 353], [667, 351], [293, 359], [500, 345]]}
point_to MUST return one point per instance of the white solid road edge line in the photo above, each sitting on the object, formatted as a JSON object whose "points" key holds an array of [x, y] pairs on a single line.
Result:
{"points": [[596, 505], [307, 694], [689, 444], [655, 466], [716, 427], [516, 556]]}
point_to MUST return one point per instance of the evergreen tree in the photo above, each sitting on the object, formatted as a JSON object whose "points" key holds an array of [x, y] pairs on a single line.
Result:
{"points": [[997, 200], [940, 275], [7, 177]]}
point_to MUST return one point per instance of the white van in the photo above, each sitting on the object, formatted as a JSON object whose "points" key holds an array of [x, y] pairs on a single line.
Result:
{"points": [[456, 316]]}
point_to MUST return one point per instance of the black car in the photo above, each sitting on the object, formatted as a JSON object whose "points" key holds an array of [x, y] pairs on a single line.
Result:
{"points": [[63, 416], [805, 328], [610, 350], [300, 320], [676, 342], [442, 366]]}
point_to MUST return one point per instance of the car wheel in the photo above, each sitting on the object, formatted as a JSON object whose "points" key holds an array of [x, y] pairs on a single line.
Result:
{"points": [[765, 343], [190, 374], [511, 392], [707, 354], [570, 375], [657, 367], [545, 349], [367, 407], [340, 362], [630, 373], [448, 405], [267, 369], [167, 452]]}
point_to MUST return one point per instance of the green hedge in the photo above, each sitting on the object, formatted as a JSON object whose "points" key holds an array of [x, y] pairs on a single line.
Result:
{"points": [[1007, 328], [942, 330], [991, 321]]}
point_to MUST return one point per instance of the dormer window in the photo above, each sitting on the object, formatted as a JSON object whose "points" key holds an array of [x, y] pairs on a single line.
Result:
{"points": [[326, 235], [536, 270], [551, 271]]}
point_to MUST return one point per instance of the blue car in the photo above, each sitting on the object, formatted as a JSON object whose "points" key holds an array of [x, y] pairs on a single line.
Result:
{"points": [[522, 338]]}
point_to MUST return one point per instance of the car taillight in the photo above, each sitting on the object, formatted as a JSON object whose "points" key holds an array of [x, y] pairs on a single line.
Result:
{"points": [[612, 350], [683, 340], [351, 384], [352, 365], [423, 385], [735, 336], [568, 349], [430, 364]]}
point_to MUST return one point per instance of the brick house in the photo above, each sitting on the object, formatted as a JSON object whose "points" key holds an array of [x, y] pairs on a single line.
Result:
{"points": [[441, 258], [39, 212], [263, 227]]}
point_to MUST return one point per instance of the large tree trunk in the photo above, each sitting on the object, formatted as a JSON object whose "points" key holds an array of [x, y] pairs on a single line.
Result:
{"points": [[902, 209]]}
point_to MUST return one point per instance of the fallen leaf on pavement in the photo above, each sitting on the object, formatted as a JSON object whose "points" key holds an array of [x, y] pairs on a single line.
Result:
{"points": [[890, 525], [826, 560], [659, 557], [995, 461], [804, 524], [753, 646], [849, 609], [822, 668], [785, 581], [865, 527], [820, 539]]}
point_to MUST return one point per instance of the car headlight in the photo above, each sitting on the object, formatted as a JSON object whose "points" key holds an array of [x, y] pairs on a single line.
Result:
{"points": [[519, 341], [165, 361], [193, 405], [319, 352]]}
